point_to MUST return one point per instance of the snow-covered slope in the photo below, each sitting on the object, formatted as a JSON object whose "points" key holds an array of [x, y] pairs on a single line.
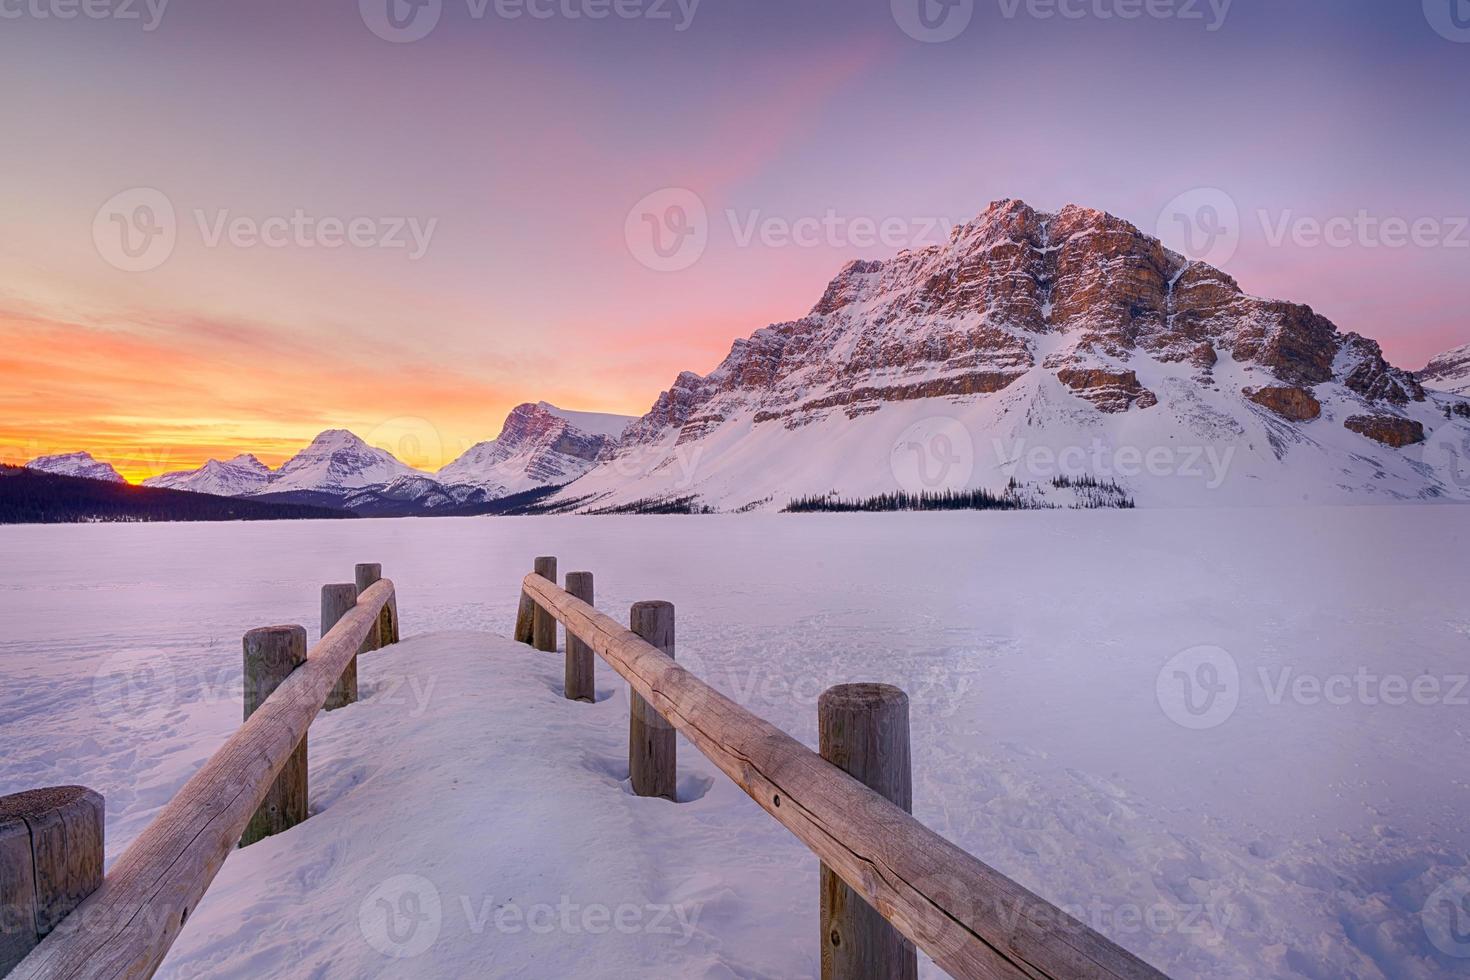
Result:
{"points": [[76, 464], [1449, 372], [337, 462], [539, 445], [1032, 346], [228, 478]]}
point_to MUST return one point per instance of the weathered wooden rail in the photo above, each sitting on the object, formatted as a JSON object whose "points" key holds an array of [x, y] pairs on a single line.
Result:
{"points": [[849, 806], [75, 923], [889, 885]]}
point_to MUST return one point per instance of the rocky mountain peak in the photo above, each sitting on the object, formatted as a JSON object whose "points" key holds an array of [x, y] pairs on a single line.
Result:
{"points": [[81, 464]]}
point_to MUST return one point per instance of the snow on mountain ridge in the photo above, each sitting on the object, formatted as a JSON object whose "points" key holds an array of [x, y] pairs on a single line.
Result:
{"points": [[337, 462], [1120, 342], [228, 478], [539, 445], [76, 464], [1448, 372]]}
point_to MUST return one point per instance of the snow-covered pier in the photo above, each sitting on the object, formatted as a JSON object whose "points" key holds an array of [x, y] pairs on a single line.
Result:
{"points": [[451, 818]]}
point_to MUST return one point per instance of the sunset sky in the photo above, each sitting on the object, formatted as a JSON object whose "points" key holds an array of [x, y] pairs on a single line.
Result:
{"points": [[522, 144]]}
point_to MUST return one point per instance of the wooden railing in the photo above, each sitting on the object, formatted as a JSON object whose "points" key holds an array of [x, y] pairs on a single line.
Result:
{"points": [[971, 919], [251, 787]]}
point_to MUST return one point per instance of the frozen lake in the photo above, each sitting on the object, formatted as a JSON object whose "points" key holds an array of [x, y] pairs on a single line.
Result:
{"points": [[1236, 741]]}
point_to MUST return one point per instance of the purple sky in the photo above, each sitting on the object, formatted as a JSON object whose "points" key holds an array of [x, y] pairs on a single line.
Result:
{"points": [[522, 144]]}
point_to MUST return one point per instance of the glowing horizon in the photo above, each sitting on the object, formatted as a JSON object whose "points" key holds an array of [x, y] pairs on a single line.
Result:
{"points": [[496, 165]]}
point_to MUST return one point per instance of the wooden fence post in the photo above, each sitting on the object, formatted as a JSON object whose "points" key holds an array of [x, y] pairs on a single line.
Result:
{"points": [[543, 624], [580, 677], [271, 653], [652, 741], [367, 573], [50, 859], [337, 601], [864, 731]]}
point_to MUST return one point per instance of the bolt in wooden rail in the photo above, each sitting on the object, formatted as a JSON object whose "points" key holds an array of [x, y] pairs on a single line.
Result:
{"points": [[125, 927], [973, 920]]}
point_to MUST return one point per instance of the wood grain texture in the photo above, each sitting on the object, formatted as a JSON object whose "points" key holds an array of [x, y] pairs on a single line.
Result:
{"points": [[525, 616], [579, 682], [51, 854], [863, 729], [337, 601], [543, 624], [127, 925], [653, 766], [971, 919], [365, 574], [272, 653]]}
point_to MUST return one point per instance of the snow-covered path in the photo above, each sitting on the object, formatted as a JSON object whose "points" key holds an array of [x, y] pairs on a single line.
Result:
{"points": [[469, 821], [1296, 828]]}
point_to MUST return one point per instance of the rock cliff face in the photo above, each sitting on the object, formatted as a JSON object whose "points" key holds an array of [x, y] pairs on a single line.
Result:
{"points": [[539, 445], [1024, 324]]}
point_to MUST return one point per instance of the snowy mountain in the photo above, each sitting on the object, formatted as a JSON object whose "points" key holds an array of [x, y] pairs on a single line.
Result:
{"points": [[1449, 372], [1034, 347], [337, 462], [76, 464], [231, 478], [539, 445]]}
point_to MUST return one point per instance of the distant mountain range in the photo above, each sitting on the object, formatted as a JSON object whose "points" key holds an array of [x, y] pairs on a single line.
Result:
{"points": [[540, 446], [1035, 359], [31, 496]]}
